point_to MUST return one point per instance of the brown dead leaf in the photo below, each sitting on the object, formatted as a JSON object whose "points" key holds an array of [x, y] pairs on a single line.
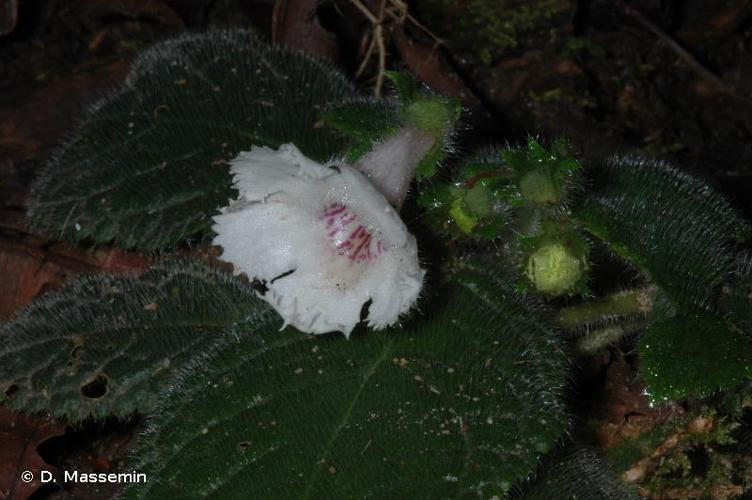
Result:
{"points": [[26, 274], [157, 11], [30, 271], [8, 16], [32, 124], [20, 435], [428, 63], [296, 25]]}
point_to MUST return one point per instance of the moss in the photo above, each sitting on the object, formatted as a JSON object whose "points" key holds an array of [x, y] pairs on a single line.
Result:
{"points": [[692, 455], [580, 97], [486, 28], [581, 45]]}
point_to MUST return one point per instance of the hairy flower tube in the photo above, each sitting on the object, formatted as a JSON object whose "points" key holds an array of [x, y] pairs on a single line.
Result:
{"points": [[323, 241]]}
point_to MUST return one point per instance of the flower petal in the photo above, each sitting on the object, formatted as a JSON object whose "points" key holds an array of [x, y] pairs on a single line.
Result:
{"points": [[322, 239]]}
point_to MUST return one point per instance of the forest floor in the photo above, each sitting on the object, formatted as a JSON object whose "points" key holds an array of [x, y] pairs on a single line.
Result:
{"points": [[670, 79]]}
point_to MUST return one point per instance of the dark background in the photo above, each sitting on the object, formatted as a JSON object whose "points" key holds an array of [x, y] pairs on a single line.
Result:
{"points": [[669, 79]]}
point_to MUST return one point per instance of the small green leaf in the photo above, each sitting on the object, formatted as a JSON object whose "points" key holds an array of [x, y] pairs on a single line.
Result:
{"points": [[148, 166], [406, 85], [365, 121], [105, 346], [693, 355], [460, 403]]}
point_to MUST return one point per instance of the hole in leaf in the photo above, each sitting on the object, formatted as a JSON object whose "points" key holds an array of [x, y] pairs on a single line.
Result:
{"points": [[76, 352], [259, 286], [699, 460], [75, 355], [286, 273], [95, 388], [243, 445], [11, 391]]}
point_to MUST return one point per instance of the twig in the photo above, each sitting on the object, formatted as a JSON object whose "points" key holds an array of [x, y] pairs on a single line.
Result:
{"points": [[378, 33], [397, 10], [366, 57], [404, 14], [378, 38], [683, 53], [365, 11]]}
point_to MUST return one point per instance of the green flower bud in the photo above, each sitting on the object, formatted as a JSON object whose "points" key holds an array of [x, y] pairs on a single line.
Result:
{"points": [[554, 269], [537, 186], [545, 177], [464, 221]]}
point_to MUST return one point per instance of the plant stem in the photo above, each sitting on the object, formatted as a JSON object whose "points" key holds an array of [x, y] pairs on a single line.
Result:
{"points": [[599, 338], [635, 301]]}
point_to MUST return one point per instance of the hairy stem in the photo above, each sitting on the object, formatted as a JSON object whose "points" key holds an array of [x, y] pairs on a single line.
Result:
{"points": [[635, 301], [599, 338]]}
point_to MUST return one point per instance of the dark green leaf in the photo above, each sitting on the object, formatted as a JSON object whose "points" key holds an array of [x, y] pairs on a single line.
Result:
{"points": [[673, 226], [460, 403], [105, 346], [737, 299], [147, 168], [693, 355]]}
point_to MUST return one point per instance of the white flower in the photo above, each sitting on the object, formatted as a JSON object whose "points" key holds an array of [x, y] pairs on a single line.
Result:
{"points": [[322, 239]]}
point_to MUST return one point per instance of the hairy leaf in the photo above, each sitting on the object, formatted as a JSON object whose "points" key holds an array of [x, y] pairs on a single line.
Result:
{"points": [[693, 355], [147, 168], [105, 346], [737, 300], [457, 404], [576, 473], [672, 225]]}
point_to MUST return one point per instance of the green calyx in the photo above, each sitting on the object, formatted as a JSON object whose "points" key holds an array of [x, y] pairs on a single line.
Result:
{"points": [[465, 222], [367, 122], [428, 112], [474, 204], [544, 176], [433, 114], [537, 186], [490, 189]]}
